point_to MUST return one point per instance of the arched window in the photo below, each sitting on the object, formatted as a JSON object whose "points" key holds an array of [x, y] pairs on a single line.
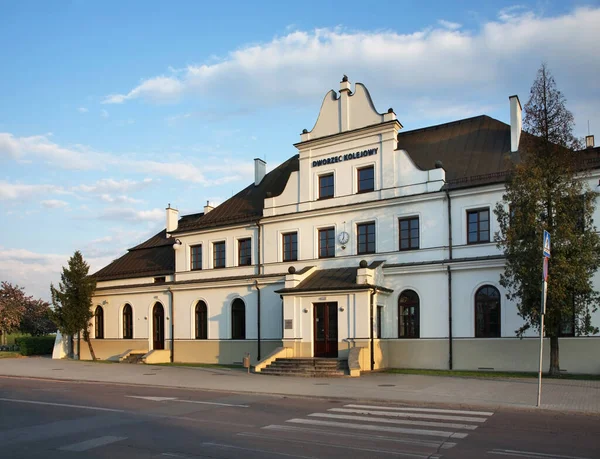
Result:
{"points": [[408, 314], [238, 319], [487, 312], [201, 320], [127, 322], [99, 323]]}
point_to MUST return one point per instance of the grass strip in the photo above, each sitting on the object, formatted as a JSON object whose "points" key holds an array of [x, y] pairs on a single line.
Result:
{"points": [[489, 374]]}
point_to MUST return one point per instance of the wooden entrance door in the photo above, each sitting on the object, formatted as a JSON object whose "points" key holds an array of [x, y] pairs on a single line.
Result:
{"points": [[158, 326], [326, 330]]}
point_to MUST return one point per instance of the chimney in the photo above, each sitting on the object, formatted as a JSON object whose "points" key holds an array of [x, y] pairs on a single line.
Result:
{"points": [[207, 208], [172, 218], [260, 169], [516, 123], [589, 141]]}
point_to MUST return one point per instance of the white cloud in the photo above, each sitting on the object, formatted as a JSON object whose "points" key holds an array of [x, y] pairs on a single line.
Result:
{"points": [[110, 185], [35, 271], [82, 110], [127, 122], [159, 89], [449, 25], [119, 199], [438, 59], [104, 113], [514, 13], [173, 119], [41, 147], [9, 191], [54, 204], [132, 215], [81, 157]]}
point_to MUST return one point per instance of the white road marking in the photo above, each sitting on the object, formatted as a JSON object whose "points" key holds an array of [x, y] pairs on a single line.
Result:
{"points": [[65, 405], [212, 403], [448, 425], [93, 443], [439, 417], [423, 410], [355, 435], [348, 425], [252, 450], [331, 445], [531, 454], [175, 399]]}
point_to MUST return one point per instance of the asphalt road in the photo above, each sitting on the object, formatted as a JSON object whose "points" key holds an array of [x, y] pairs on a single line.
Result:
{"points": [[47, 419]]}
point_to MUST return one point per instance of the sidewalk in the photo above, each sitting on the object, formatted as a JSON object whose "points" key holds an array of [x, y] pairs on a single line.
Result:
{"points": [[561, 395]]}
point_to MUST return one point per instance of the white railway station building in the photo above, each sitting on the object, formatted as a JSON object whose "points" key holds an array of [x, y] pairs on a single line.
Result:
{"points": [[369, 238]]}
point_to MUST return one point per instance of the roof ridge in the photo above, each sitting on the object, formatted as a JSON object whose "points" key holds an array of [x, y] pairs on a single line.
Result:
{"points": [[449, 123]]}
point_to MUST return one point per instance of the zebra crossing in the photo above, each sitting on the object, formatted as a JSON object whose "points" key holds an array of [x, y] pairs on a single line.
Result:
{"points": [[376, 430]]}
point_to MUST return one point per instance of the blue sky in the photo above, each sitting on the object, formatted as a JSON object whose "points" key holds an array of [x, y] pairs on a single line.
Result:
{"points": [[111, 110]]}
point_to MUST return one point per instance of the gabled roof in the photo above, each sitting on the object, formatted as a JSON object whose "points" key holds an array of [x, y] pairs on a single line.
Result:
{"points": [[247, 205], [154, 257]]}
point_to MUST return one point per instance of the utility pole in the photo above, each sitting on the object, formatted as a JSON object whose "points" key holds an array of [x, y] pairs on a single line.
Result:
{"points": [[546, 253]]}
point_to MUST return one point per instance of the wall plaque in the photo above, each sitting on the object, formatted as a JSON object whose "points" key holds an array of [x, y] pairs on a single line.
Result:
{"points": [[288, 324]]}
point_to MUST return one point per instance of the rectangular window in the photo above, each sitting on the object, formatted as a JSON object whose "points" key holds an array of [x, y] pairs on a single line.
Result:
{"points": [[379, 316], [366, 179], [326, 186], [290, 247], [567, 318], [578, 208], [366, 237], [219, 254], [327, 243], [409, 233], [244, 252], [196, 257], [478, 226]]}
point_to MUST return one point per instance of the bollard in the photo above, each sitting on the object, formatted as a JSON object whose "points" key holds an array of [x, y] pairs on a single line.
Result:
{"points": [[247, 361]]}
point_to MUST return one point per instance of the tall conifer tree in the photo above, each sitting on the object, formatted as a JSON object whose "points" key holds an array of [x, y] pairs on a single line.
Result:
{"points": [[73, 300], [547, 191]]}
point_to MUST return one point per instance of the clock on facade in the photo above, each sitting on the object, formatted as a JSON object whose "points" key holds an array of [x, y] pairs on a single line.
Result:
{"points": [[343, 237]]}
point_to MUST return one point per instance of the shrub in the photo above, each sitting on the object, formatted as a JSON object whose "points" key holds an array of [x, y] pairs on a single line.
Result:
{"points": [[36, 345]]}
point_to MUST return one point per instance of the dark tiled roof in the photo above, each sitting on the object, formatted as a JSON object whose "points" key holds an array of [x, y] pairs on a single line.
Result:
{"points": [[473, 147], [331, 279], [247, 205], [154, 257]]}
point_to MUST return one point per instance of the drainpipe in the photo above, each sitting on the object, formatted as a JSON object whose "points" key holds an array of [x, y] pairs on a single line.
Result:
{"points": [[449, 280], [371, 331], [259, 268], [172, 304], [258, 319]]}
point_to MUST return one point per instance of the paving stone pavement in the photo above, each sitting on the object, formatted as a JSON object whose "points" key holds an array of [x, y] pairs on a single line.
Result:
{"points": [[561, 395]]}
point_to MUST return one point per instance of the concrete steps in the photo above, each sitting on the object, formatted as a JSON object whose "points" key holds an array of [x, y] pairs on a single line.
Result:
{"points": [[307, 367], [133, 358]]}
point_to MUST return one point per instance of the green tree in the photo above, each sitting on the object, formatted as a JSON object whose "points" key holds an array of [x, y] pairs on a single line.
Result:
{"points": [[36, 319], [72, 300], [12, 307], [546, 191]]}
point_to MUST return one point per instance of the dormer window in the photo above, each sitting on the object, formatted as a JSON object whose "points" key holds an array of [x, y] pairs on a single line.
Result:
{"points": [[366, 179], [326, 188]]}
